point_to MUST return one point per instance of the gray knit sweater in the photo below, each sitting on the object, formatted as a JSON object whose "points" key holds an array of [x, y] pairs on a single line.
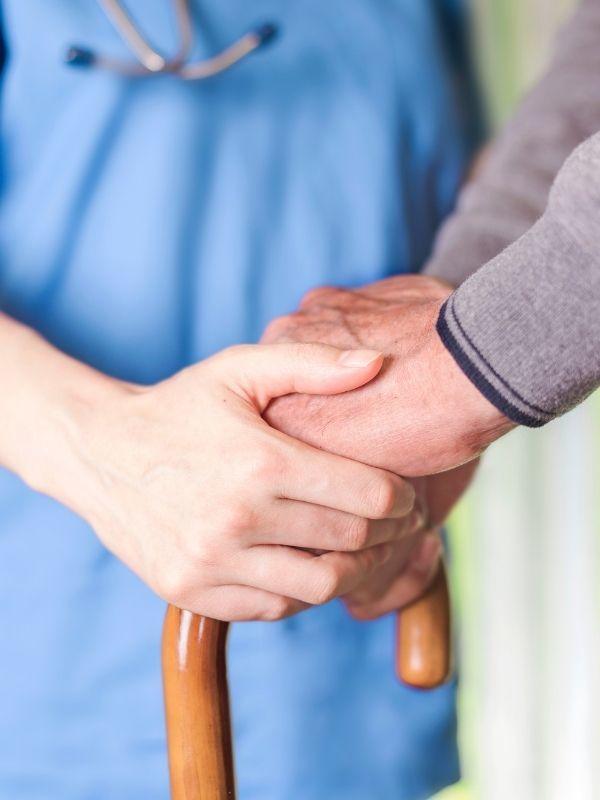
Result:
{"points": [[525, 326]]}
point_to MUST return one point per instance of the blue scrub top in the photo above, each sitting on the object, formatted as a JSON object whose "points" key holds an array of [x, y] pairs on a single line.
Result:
{"points": [[143, 225]]}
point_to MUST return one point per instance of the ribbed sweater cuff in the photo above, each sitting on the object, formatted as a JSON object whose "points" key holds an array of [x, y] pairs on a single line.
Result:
{"points": [[525, 327], [482, 374]]}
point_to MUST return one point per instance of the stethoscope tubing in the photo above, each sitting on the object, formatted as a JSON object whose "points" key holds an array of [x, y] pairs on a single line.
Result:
{"points": [[149, 62]]}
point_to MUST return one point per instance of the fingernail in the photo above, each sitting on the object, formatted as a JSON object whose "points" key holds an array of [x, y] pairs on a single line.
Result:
{"points": [[415, 522], [358, 358], [427, 554], [405, 501]]}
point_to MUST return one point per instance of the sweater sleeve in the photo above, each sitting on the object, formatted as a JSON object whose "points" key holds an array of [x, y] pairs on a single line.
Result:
{"points": [[511, 190], [525, 328]]}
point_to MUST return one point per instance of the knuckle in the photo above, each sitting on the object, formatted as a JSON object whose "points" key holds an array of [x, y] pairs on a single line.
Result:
{"points": [[203, 554], [381, 498], [412, 590], [364, 613], [264, 467], [327, 586], [277, 328], [224, 358], [238, 350], [316, 293], [364, 562], [174, 585], [357, 534], [277, 608], [235, 521]]}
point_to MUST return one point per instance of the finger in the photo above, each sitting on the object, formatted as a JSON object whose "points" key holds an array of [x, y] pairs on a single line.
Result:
{"points": [[406, 288], [297, 524], [244, 603], [278, 330], [320, 294], [305, 326], [410, 585], [264, 372], [314, 579], [382, 579], [315, 476]]}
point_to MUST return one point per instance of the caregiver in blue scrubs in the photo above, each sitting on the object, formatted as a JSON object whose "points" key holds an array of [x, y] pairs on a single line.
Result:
{"points": [[146, 224]]}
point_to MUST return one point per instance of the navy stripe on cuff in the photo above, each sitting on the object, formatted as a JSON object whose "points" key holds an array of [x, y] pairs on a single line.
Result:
{"points": [[476, 377]]}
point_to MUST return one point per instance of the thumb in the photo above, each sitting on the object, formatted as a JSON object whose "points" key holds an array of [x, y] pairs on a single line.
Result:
{"points": [[264, 372]]}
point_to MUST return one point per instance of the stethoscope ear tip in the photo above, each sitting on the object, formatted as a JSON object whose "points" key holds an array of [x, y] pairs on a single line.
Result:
{"points": [[79, 57], [266, 33]]}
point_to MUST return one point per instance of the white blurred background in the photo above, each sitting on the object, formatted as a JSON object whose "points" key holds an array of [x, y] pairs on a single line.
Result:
{"points": [[526, 545]]}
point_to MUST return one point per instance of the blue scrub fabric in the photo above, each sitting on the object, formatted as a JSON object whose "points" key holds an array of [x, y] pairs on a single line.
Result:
{"points": [[145, 224]]}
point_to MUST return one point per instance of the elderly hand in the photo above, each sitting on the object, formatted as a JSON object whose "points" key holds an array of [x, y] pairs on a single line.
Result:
{"points": [[420, 416], [414, 561]]}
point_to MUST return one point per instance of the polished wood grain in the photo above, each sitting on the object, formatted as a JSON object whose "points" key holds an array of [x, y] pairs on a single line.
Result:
{"points": [[424, 657], [197, 707]]}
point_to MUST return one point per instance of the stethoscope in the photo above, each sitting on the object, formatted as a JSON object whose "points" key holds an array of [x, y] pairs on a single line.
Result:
{"points": [[151, 62]]}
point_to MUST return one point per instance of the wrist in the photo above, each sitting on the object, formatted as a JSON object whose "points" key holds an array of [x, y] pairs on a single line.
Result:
{"points": [[478, 422], [47, 404]]}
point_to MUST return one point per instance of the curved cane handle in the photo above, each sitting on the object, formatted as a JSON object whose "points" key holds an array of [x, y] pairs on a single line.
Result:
{"points": [[197, 707], [423, 657]]}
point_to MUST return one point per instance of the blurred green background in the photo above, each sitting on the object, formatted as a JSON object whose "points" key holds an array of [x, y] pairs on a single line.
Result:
{"points": [[525, 555]]}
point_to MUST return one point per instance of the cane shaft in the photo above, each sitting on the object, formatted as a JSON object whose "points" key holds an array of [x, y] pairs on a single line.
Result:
{"points": [[196, 693], [197, 707], [424, 657]]}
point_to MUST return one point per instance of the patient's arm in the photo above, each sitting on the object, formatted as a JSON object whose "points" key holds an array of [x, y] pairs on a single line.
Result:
{"points": [[524, 328], [423, 414], [510, 189], [508, 194]]}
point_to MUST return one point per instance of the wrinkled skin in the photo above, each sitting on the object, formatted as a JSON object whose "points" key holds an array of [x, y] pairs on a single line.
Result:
{"points": [[421, 417]]}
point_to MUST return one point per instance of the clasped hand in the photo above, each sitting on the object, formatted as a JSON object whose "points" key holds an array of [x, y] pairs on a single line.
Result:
{"points": [[266, 479], [221, 513], [420, 417]]}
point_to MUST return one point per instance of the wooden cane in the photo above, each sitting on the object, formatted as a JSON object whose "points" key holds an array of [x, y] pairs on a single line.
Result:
{"points": [[197, 700], [197, 707]]}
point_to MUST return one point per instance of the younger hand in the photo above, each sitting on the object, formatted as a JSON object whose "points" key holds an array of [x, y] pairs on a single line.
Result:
{"points": [[188, 485]]}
